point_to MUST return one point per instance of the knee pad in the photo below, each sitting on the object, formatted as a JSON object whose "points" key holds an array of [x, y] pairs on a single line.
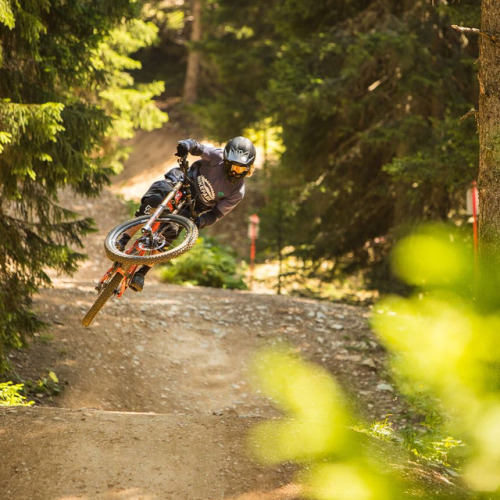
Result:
{"points": [[153, 197], [146, 209]]}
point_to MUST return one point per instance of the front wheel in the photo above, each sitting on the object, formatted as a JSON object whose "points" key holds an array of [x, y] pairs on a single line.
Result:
{"points": [[173, 236]]}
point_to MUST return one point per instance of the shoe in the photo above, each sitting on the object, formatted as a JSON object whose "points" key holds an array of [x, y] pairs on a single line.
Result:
{"points": [[122, 242], [137, 283]]}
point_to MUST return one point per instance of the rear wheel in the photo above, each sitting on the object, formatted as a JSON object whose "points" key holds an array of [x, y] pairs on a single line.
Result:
{"points": [[105, 293], [176, 235]]}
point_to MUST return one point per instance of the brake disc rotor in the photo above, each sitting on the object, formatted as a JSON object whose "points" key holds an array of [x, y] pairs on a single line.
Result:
{"points": [[151, 244]]}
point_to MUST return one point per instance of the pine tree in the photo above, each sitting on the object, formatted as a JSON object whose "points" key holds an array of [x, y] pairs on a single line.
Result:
{"points": [[60, 104]]}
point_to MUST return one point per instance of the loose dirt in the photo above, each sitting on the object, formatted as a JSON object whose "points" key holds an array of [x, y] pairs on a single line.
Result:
{"points": [[157, 398]]}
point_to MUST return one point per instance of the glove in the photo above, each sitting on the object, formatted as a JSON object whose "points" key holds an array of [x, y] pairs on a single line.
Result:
{"points": [[200, 222], [183, 147], [207, 219]]}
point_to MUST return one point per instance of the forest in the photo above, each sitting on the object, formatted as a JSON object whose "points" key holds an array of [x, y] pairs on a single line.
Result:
{"points": [[364, 110], [373, 119]]}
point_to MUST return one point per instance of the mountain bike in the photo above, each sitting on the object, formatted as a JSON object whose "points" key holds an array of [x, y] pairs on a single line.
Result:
{"points": [[155, 238]]}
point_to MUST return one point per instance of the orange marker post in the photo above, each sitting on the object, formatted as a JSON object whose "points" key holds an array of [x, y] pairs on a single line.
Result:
{"points": [[475, 199], [473, 209], [474, 215]]}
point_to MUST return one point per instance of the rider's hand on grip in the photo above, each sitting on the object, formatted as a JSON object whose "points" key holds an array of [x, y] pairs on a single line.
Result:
{"points": [[183, 148]]}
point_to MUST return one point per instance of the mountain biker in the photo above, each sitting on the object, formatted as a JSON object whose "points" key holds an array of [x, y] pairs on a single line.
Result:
{"points": [[219, 181]]}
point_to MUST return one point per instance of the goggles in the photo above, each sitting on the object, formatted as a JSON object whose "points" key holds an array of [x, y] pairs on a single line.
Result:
{"points": [[237, 169]]}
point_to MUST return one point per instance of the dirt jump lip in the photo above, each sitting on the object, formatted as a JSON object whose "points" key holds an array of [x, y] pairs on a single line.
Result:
{"points": [[156, 398]]}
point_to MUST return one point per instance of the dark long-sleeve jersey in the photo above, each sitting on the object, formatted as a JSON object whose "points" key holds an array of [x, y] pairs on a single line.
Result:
{"points": [[216, 196]]}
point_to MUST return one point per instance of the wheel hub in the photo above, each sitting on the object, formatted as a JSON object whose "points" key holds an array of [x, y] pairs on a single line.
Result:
{"points": [[149, 244]]}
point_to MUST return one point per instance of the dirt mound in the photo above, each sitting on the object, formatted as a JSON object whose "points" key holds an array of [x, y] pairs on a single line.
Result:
{"points": [[156, 399], [115, 455]]}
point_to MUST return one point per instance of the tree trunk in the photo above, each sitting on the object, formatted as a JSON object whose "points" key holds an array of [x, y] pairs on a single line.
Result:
{"points": [[489, 129], [193, 64]]}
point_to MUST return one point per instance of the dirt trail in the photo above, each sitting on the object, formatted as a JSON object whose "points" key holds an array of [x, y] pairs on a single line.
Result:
{"points": [[157, 400]]}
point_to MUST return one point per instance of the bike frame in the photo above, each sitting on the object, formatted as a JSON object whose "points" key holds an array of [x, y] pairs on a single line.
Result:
{"points": [[152, 226], [147, 230]]}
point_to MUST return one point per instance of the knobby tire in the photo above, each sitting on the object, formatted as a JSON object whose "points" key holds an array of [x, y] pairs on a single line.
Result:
{"points": [[116, 255], [102, 298]]}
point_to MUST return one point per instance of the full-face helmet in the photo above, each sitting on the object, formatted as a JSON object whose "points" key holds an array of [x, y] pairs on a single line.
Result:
{"points": [[239, 156]]}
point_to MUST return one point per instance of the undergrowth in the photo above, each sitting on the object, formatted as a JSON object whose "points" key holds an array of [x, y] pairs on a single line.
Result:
{"points": [[208, 264], [11, 395]]}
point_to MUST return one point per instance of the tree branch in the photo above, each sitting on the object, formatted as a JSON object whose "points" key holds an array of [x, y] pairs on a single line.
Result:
{"points": [[475, 31], [471, 112]]}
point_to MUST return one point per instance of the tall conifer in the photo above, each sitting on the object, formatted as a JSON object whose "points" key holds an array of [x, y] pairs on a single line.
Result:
{"points": [[59, 102]]}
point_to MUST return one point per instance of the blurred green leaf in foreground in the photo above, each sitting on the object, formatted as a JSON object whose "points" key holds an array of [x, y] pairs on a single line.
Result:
{"points": [[444, 338], [444, 348], [337, 462]]}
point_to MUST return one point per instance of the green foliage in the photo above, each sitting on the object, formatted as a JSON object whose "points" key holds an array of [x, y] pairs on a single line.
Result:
{"points": [[443, 345], [339, 459], [367, 102], [424, 441], [337, 462], [368, 97], [207, 264], [47, 385], [65, 99], [130, 105], [166, 60], [444, 338], [10, 395], [238, 47], [462, 12], [6, 14], [433, 449]]}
